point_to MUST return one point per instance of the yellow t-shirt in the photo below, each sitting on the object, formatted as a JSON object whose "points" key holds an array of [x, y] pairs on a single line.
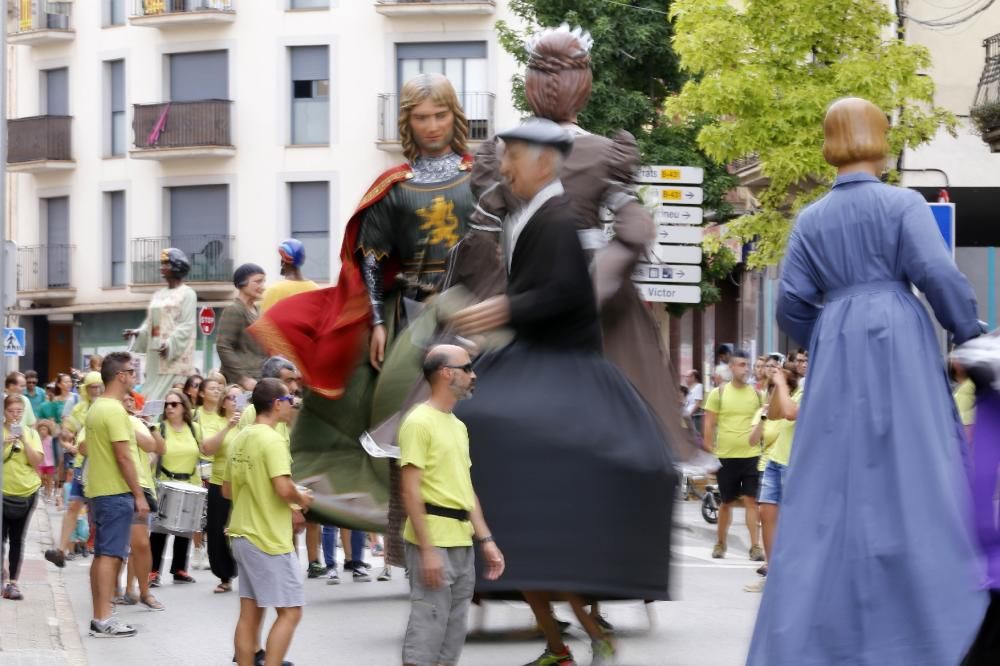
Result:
{"points": [[221, 458], [20, 478], [965, 400], [210, 423], [782, 452], [182, 453], [107, 422], [78, 459], [771, 429], [279, 290], [141, 459], [249, 416], [438, 444], [256, 456], [735, 412]]}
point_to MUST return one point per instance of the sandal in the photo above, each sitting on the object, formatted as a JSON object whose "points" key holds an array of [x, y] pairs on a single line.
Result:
{"points": [[125, 600], [222, 588], [152, 603]]}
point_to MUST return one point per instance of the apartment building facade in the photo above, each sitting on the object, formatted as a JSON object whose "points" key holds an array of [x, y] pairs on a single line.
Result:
{"points": [[217, 126]]}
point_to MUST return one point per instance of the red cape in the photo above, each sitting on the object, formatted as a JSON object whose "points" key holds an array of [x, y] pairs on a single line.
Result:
{"points": [[323, 332]]}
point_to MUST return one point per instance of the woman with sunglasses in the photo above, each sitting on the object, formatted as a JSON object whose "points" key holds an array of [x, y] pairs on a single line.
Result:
{"points": [[182, 437], [207, 396], [192, 389], [220, 430], [22, 457]]}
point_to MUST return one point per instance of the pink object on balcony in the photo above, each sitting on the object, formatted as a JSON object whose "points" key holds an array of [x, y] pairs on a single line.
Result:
{"points": [[154, 136]]}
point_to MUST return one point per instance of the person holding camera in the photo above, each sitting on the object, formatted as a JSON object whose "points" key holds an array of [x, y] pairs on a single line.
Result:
{"points": [[22, 456]]}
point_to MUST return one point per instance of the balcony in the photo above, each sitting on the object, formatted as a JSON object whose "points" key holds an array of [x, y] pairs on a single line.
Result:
{"points": [[40, 144], [177, 130], [211, 258], [166, 14], [985, 111], [406, 8], [37, 23], [478, 106], [43, 273]]}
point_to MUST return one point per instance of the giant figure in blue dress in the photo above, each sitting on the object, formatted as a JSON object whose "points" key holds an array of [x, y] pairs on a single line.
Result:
{"points": [[874, 562]]}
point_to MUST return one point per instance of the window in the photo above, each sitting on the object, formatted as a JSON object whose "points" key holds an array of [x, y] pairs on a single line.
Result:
{"points": [[199, 226], [464, 63], [55, 92], [199, 75], [309, 210], [114, 13], [55, 216], [310, 69], [115, 209], [308, 4], [115, 71]]}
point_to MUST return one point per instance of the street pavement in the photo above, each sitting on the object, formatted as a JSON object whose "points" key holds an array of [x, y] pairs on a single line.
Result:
{"points": [[361, 624]]}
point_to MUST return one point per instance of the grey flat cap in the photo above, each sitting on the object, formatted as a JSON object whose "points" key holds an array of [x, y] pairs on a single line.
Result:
{"points": [[540, 131]]}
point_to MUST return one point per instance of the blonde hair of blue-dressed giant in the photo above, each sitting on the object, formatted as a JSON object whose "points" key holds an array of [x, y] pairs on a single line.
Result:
{"points": [[855, 131], [437, 89]]}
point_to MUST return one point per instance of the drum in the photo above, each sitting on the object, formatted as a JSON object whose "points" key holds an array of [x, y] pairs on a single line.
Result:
{"points": [[205, 469], [181, 508]]}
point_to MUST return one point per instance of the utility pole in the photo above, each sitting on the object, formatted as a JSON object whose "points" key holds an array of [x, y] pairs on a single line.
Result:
{"points": [[3, 200]]}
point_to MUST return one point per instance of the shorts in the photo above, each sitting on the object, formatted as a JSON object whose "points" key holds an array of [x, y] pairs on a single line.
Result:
{"points": [[435, 633], [68, 460], [772, 483], [47, 469], [273, 581], [738, 477], [76, 489], [113, 521], [136, 520]]}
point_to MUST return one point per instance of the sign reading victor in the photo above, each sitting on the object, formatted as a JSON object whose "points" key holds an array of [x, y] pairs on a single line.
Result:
{"points": [[206, 320], [674, 197], [13, 342]]}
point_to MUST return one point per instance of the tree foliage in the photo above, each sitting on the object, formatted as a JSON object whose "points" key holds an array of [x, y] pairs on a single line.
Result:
{"points": [[635, 71], [765, 73]]}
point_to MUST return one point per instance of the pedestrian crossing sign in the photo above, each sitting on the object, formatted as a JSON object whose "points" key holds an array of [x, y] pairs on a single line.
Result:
{"points": [[13, 342]]}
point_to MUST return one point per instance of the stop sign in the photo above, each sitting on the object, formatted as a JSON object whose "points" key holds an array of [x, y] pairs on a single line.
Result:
{"points": [[206, 320]]}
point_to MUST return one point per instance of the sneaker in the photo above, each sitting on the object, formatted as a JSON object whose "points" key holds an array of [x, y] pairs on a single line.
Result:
{"points": [[386, 574], [56, 557], [125, 600], [762, 571], [111, 628], [604, 624], [152, 603], [316, 570], [550, 658], [718, 552], [259, 657], [11, 591], [604, 653], [360, 575], [756, 586], [154, 578], [332, 578], [756, 554], [182, 577]]}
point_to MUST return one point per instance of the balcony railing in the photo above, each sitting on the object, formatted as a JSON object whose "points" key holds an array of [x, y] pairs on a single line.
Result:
{"points": [[144, 8], [39, 139], [43, 268], [985, 111], [211, 258], [424, 7], [40, 22], [478, 107], [178, 125]]}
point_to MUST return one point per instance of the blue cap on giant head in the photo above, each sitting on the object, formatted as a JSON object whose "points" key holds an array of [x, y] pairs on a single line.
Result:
{"points": [[176, 260], [292, 252]]}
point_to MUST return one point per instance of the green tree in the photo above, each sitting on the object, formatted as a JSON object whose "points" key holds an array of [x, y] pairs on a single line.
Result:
{"points": [[635, 71], [765, 73]]}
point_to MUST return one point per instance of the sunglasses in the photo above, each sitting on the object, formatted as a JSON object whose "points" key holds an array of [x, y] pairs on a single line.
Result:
{"points": [[173, 404], [286, 398], [467, 368]]}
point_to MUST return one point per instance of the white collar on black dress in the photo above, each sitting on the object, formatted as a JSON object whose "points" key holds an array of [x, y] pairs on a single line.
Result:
{"points": [[516, 223]]}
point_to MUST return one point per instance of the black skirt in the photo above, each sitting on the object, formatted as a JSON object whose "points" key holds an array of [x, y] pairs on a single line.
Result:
{"points": [[570, 466]]}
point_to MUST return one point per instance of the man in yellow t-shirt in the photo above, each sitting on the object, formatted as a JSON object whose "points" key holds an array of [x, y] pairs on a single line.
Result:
{"points": [[265, 503], [293, 255], [111, 483], [729, 414], [443, 513]]}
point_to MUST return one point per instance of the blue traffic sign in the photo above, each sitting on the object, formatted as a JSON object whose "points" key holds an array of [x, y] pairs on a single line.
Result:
{"points": [[944, 215], [13, 342]]}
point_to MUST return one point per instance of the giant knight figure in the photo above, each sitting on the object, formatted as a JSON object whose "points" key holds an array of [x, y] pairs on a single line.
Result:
{"points": [[352, 341]]}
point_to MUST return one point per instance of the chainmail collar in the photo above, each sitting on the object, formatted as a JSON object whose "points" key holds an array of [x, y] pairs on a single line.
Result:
{"points": [[436, 169]]}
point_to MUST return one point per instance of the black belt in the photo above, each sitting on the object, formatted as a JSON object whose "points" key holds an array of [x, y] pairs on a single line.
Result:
{"points": [[445, 512], [174, 476]]}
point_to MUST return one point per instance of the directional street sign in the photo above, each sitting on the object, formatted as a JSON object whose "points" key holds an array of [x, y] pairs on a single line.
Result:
{"points": [[677, 215], [670, 174], [13, 342], [666, 233], [944, 215], [673, 194], [666, 273], [677, 254], [669, 293]]}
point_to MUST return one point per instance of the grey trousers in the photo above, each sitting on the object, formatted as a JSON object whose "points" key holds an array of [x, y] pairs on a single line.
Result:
{"points": [[435, 633]]}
